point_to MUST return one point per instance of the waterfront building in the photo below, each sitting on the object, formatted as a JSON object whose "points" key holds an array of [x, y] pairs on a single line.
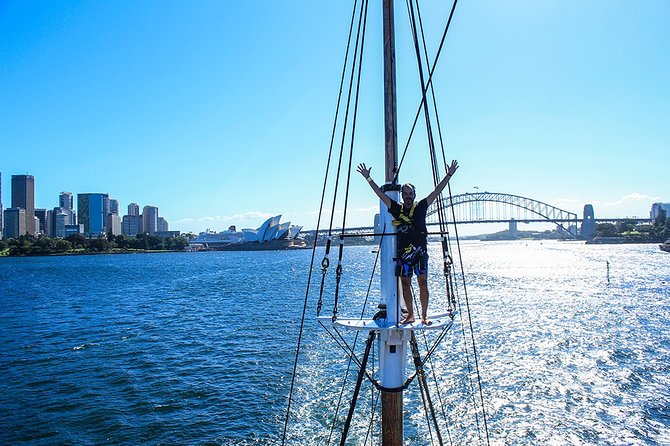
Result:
{"points": [[92, 213], [41, 221], [1, 231], [66, 203], [58, 220], [149, 219], [656, 209], [113, 224], [73, 229], [23, 196], [113, 206], [15, 222], [131, 225], [162, 225]]}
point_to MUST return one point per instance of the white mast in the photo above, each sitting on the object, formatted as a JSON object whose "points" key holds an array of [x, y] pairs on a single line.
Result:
{"points": [[392, 341]]}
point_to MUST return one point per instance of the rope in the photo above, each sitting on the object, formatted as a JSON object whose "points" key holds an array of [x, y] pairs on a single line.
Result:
{"points": [[318, 225], [357, 389], [346, 375]]}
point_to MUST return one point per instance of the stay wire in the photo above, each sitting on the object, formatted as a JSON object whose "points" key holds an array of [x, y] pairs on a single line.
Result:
{"points": [[347, 110], [430, 80], [364, 7], [318, 225], [469, 316], [346, 375]]}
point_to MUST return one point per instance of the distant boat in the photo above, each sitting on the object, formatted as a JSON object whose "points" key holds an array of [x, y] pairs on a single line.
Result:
{"points": [[665, 246]]}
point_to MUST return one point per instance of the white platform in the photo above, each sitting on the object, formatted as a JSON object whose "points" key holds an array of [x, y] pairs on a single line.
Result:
{"points": [[439, 321]]}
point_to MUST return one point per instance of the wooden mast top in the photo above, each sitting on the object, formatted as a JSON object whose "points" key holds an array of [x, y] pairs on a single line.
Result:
{"points": [[390, 112]]}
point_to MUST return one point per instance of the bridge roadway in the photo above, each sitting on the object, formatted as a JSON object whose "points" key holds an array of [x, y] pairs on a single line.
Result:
{"points": [[492, 207]]}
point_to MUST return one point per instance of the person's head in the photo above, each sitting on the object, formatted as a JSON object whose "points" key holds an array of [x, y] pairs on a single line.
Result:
{"points": [[408, 193]]}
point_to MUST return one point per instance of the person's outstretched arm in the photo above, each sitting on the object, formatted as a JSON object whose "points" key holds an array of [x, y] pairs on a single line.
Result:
{"points": [[366, 174], [442, 184]]}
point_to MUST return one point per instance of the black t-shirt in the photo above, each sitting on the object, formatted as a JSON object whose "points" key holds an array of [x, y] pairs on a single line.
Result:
{"points": [[413, 233]]}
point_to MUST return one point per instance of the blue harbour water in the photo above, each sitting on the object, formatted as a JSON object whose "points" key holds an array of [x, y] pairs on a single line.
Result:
{"points": [[197, 348]]}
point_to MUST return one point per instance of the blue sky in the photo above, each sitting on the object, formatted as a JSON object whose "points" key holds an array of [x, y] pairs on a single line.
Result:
{"points": [[220, 112]]}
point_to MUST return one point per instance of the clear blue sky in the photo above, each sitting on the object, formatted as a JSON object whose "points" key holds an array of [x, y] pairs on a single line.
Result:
{"points": [[219, 112]]}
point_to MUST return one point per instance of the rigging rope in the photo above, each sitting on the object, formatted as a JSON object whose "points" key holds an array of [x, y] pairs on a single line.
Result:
{"points": [[318, 225], [349, 125]]}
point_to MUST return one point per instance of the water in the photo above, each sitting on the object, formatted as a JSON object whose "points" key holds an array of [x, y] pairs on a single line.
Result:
{"points": [[197, 348]]}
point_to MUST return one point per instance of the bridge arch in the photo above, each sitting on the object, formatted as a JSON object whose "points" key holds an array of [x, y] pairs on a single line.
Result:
{"points": [[488, 207]]}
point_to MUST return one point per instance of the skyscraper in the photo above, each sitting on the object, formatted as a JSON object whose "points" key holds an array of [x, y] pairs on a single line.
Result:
{"points": [[1, 231], [15, 222], [131, 224], [150, 219], [23, 196], [133, 209], [92, 212], [66, 204]]}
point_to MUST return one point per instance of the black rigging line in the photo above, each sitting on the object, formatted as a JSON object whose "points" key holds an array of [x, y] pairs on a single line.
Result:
{"points": [[430, 80], [359, 381], [346, 375], [318, 224], [346, 115]]}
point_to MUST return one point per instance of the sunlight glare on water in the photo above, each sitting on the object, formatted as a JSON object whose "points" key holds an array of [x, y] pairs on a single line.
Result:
{"points": [[197, 348]]}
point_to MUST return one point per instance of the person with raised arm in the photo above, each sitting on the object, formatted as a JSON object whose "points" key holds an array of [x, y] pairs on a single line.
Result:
{"points": [[410, 221]]}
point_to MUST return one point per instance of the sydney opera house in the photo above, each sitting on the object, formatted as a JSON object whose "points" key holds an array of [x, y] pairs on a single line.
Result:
{"points": [[270, 236]]}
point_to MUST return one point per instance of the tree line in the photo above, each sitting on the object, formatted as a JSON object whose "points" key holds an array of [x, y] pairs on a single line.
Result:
{"points": [[26, 245], [658, 231]]}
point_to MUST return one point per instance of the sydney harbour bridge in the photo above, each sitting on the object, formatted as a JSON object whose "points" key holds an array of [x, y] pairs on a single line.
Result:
{"points": [[493, 207]]}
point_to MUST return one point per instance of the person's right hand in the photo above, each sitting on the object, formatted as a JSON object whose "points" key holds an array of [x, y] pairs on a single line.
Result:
{"points": [[363, 170]]}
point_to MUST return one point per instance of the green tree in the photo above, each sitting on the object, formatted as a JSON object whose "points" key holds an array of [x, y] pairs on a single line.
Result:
{"points": [[77, 241], [99, 244], [606, 230], [63, 245]]}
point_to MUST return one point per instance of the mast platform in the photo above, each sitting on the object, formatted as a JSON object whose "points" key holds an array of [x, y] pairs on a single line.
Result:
{"points": [[439, 321]]}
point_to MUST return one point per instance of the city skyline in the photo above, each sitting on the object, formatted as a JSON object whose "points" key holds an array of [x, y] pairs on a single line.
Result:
{"points": [[95, 213], [222, 123]]}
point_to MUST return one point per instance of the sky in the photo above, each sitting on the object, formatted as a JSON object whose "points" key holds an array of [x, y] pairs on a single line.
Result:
{"points": [[220, 112]]}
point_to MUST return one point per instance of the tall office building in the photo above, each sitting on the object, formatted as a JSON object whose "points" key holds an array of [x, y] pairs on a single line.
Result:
{"points": [[113, 206], [133, 209], [1, 231], [162, 225], [15, 222], [66, 204], [66, 200], [657, 208], [92, 213], [131, 225], [23, 196], [41, 221], [150, 219]]}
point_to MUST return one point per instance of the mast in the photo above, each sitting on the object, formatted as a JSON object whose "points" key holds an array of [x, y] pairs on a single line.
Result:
{"points": [[392, 341]]}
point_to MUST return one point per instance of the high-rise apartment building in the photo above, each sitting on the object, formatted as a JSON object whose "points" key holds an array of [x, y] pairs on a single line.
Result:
{"points": [[149, 219], [23, 196], [92, 213]]}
